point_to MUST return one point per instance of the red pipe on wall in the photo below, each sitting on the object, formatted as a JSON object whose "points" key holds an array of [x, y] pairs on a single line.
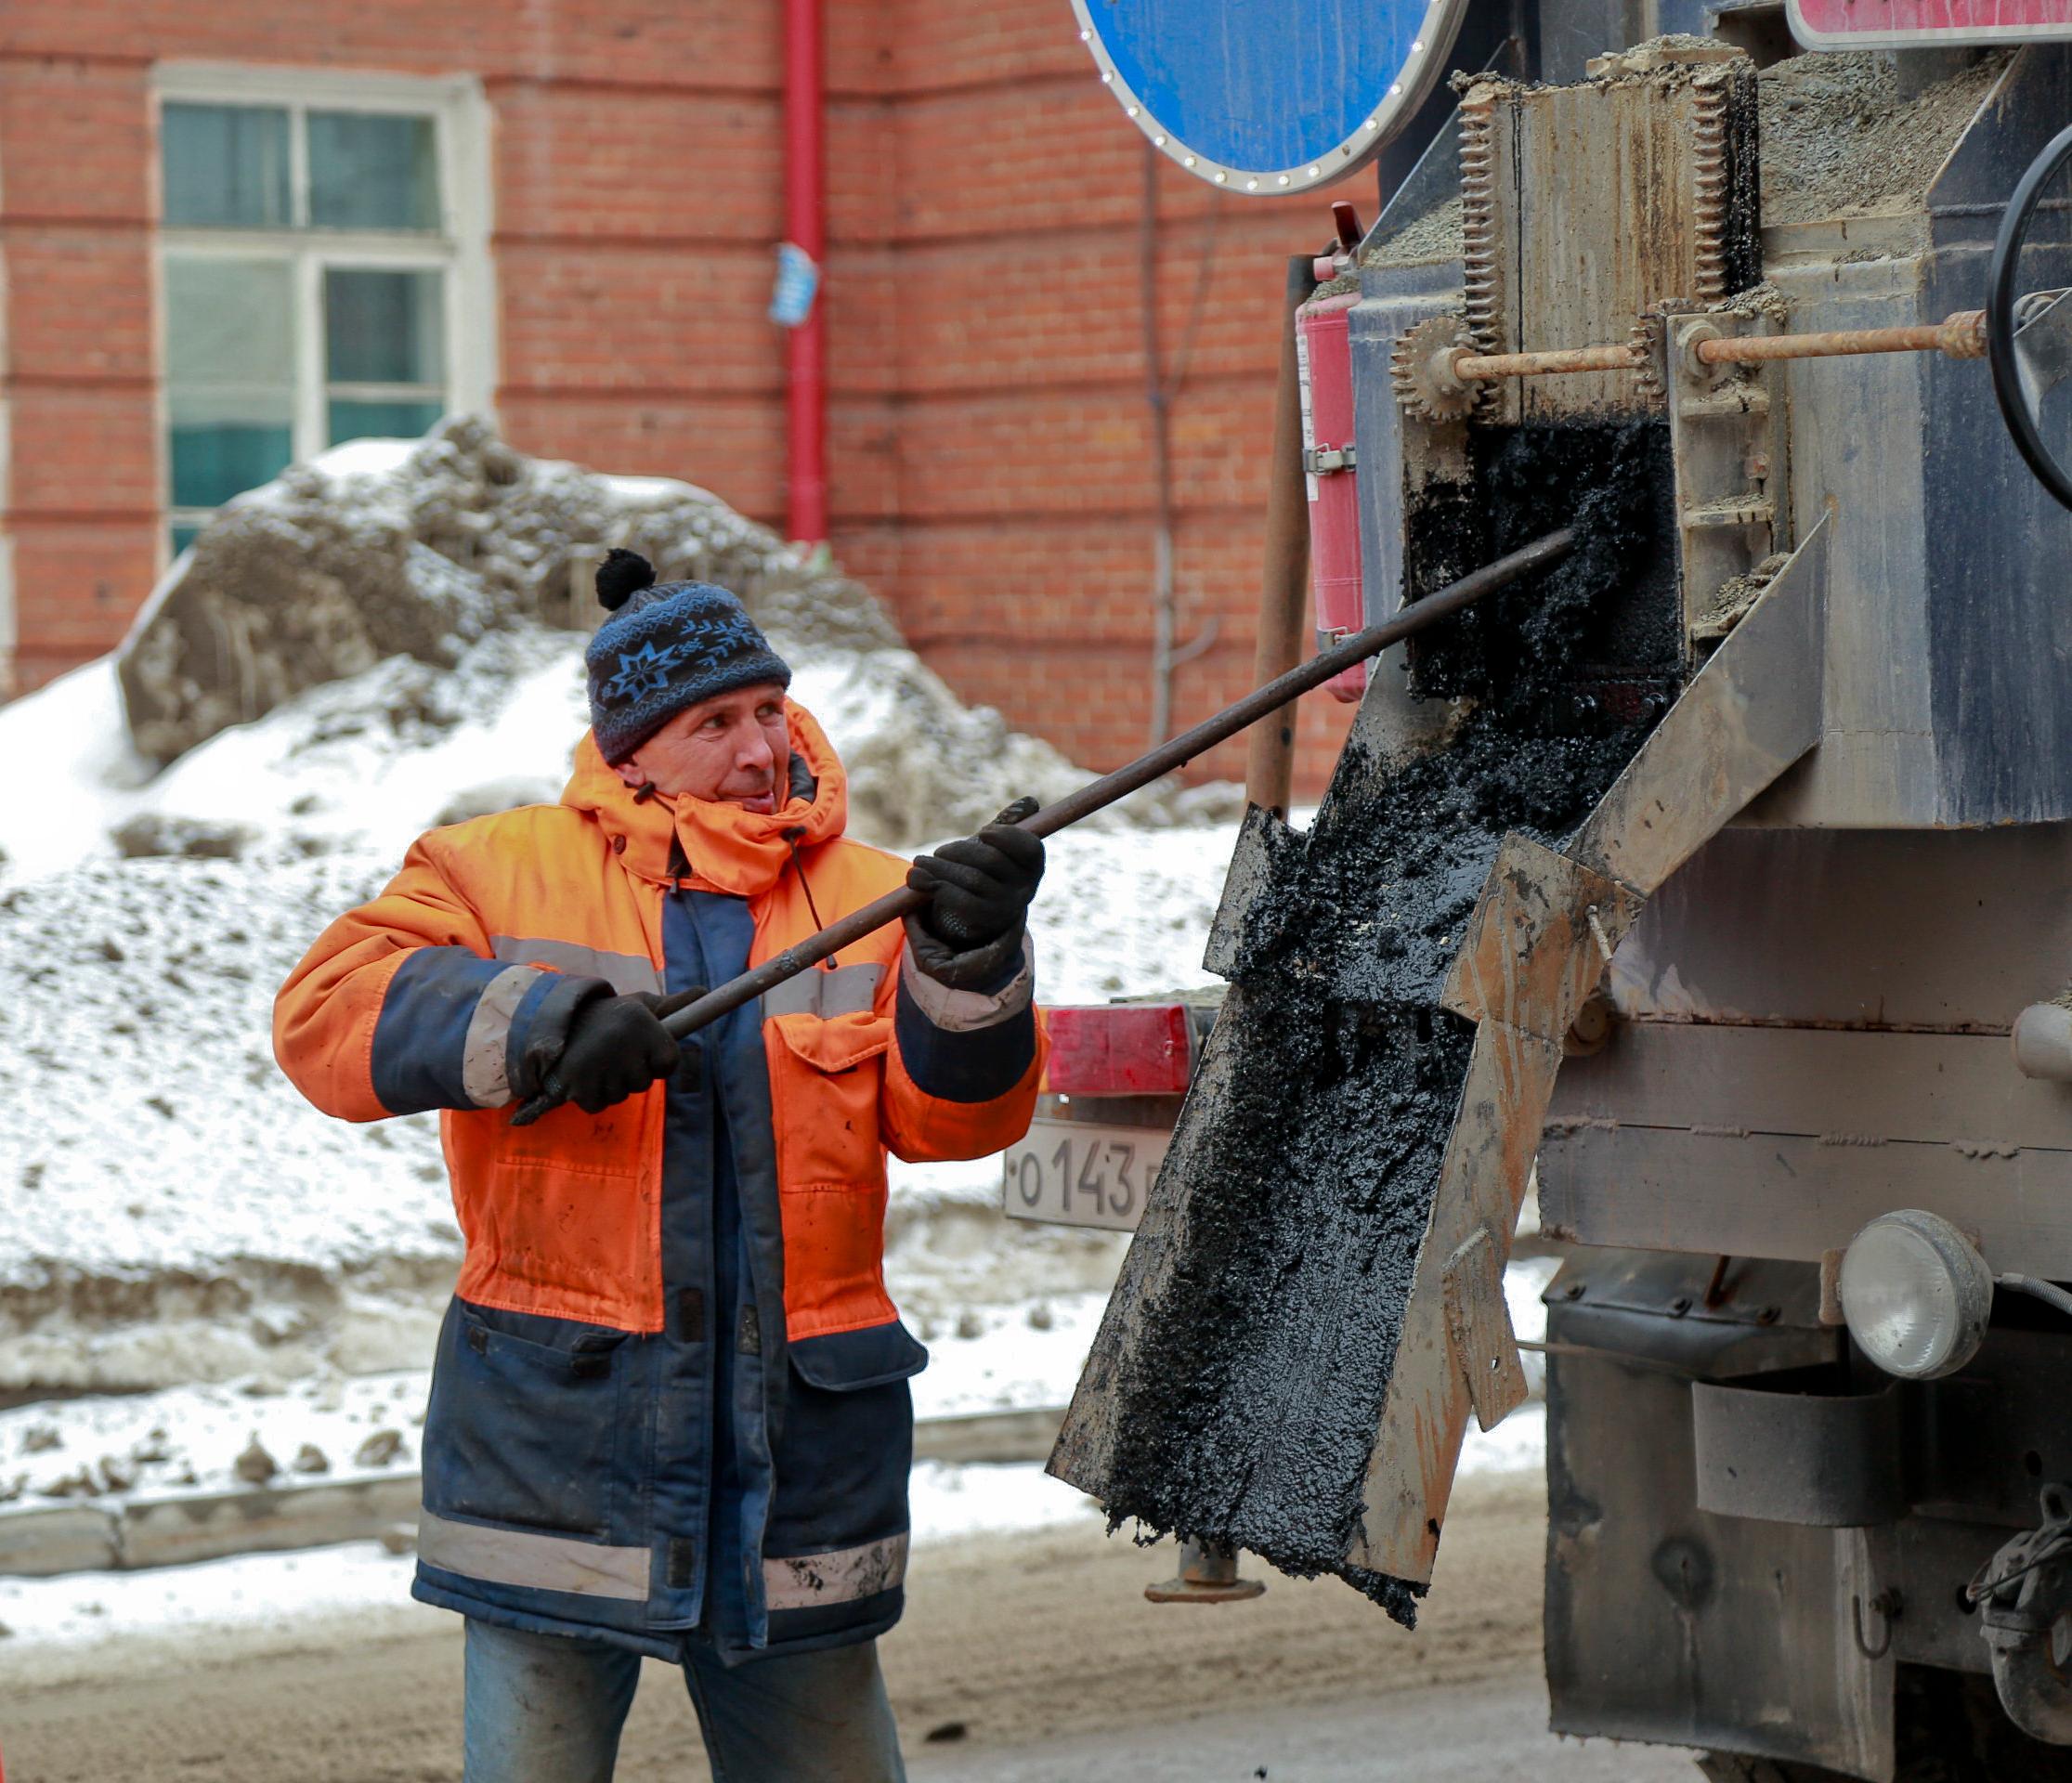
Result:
{"points": [[805, 223]]}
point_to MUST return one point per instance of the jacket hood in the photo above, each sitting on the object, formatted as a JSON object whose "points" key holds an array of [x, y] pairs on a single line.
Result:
{"points": [[740, 853]]}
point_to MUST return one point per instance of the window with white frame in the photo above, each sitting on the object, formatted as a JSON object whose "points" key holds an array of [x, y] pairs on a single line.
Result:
{"points": [[323, 269]]}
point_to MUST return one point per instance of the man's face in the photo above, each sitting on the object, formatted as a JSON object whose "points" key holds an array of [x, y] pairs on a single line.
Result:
{"points": [[733, 747]]}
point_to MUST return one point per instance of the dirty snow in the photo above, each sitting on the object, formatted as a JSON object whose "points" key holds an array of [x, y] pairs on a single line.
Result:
{"points": [[78, 1612], [445, 552], [213, 1437], [217, 1436], [370, 763]]}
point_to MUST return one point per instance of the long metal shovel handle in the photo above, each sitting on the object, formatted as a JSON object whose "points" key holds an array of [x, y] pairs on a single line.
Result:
{"points": [[1097, 795]]}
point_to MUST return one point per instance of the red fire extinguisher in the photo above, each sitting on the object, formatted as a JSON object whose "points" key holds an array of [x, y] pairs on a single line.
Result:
{"points": [[1323, 355]]}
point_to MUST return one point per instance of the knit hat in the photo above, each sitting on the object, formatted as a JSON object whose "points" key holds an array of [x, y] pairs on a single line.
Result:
{"points": [[664, 649]]}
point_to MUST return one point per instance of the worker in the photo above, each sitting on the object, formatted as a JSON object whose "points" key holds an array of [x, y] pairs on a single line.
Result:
{"points": [[670, 1411]]}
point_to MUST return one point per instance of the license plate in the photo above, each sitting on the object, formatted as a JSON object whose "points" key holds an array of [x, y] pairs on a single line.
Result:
{"points": [[1080, 1173]]}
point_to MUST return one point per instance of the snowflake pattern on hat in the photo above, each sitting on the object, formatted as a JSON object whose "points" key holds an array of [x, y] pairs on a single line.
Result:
{"points": [[646, 671], [715, 639]]}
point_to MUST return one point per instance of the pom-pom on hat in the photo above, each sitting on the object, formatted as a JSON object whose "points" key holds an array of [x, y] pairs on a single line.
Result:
{"points": [[622, 576], [664, 648]]}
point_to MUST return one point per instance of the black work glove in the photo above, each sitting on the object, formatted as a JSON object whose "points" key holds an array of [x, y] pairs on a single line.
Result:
{"points": [[617, 1047], [981, 890]]}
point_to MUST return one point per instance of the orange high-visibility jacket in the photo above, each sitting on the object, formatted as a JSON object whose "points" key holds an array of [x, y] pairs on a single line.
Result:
{"points": [[568, 1448]]}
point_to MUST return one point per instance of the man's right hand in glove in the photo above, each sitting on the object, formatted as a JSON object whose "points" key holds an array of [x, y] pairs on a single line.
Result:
{"points": [[616, 1049], [969, 933]]}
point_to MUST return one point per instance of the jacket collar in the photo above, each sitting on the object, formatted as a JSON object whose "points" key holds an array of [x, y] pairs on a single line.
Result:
{"points": [[729, 850]]}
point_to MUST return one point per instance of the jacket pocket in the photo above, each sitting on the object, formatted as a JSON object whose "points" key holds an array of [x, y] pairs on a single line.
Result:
{"points": [[569, 1243], [826, 1079], [848, 1440], [524, 1420], [850, 1361]]}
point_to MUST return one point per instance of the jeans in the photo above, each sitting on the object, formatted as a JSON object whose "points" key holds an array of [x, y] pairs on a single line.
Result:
{"points": [[548, 1709]]}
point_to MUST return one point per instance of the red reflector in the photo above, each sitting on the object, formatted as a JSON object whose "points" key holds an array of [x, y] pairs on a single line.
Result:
{"points": [[1119, 1049]]}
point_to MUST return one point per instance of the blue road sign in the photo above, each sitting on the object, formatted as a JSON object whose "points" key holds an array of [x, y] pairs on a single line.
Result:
{"points": [[1269, 97]]}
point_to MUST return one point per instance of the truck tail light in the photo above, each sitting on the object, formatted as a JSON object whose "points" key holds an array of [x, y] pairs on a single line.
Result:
{"points": [[1119, 1049]]}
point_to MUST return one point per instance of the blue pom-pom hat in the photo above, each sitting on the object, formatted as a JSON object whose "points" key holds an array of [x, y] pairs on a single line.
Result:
{"points": [[665, 647]]}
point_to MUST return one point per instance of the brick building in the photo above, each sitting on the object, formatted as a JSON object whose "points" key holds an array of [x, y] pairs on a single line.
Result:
{"points": [[233, 233]]}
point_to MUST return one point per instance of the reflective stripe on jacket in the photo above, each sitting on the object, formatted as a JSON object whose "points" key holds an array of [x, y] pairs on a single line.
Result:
{"points": [[568, 1447]]}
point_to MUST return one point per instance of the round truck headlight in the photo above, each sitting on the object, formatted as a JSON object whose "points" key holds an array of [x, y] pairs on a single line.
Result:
{"points": [[1916, 1293]]}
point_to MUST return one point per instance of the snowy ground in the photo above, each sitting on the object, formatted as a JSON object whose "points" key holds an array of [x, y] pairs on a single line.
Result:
{"points": [[208, 1438]]}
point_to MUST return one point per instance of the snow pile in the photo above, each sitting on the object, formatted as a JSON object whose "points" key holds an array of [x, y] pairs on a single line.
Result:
{"points": [[383, 548], [373, 761], [171, 1211], [406, 586]]}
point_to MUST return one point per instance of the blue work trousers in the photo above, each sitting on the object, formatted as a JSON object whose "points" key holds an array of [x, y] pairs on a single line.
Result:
{"points": [[548, 1709]]}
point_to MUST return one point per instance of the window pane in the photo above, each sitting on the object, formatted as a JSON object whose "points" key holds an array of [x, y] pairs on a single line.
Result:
{"points": [[217, 455], [384, 327], [372, 171], [229, 321], [230, 375], [226, 166], [382, 419], [183, 536]]}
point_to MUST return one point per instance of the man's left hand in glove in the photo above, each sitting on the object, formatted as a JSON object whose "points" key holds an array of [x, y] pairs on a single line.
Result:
{"points": [[968, 935]]}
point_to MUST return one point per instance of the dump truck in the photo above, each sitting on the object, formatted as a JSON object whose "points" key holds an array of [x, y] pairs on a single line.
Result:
{"points": [[1784, 1022]]}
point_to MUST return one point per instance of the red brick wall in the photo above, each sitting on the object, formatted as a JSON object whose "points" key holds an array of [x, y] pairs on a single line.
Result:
{"points": [[989, 439], [1018, 550], [83, 496]]}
